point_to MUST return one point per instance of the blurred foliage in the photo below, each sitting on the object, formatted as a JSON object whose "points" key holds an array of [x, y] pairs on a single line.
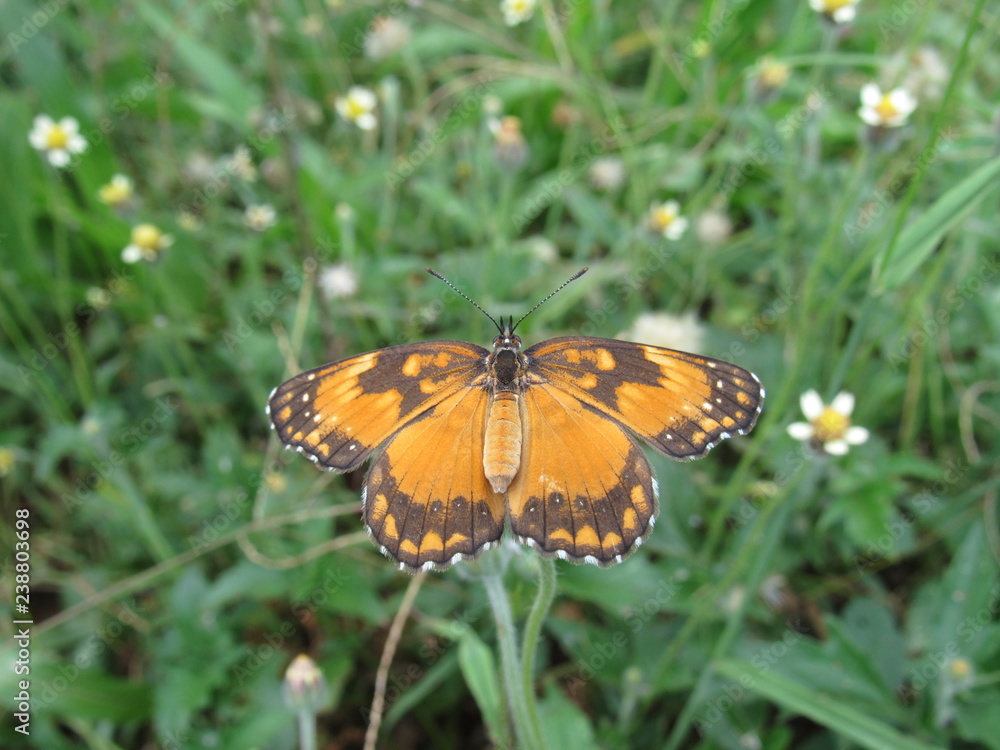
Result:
{"points": [[786, 599]]}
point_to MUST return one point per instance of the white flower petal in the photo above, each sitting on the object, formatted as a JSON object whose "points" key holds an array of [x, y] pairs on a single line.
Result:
{"points": [[58, 157], [817, 5], [903, 101], [672, 207], [132, 254], [812, 404], [77, 144], [845, 14], [361, 96], [843, 403], [801, 430], [871, 95], [676, 228], [69, 126], [366, 121], [856, 435], [836, 447], [38, 139], [870, 117], [43, 122]]}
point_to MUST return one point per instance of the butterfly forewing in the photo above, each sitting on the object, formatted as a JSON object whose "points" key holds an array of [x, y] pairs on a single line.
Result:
{"points": [[584, 491], [427, 500], [682, 404], [340, 413]]}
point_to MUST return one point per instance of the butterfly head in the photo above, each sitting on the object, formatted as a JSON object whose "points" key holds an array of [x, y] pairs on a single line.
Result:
{"points": [[507, 340]]}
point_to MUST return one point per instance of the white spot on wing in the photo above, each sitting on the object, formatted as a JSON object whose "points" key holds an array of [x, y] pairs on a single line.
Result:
{"points": [[562, 554], [590, 559]]}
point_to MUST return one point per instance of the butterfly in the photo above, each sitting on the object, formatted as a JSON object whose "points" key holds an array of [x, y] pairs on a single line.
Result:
{"points": [[463, 439]]}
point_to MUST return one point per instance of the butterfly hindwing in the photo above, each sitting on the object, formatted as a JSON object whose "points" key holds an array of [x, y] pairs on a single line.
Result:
{"points": [[681, 404], [584, 491], [338, 414], [427, 500]]}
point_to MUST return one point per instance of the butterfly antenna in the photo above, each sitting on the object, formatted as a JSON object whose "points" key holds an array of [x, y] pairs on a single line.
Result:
{"points": [[435, 274], [562, 286]]}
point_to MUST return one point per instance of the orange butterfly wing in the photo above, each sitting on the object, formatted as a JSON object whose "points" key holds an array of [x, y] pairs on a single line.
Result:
{"points": [[427, 501], [584, 491], [681, 404], [338, 414]]}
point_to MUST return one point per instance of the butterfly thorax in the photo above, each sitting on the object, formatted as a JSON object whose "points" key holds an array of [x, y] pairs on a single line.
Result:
{"points": [[506, 369], [506, 366]]}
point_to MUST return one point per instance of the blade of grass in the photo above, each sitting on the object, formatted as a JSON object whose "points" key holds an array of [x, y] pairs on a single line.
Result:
{"points": [[867, 731]]}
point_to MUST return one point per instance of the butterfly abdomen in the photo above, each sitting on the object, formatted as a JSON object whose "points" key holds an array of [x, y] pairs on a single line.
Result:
{"points": [[502, 448]]}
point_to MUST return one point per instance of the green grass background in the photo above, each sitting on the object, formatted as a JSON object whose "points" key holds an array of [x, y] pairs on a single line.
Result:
{"points": [[784, 600]]}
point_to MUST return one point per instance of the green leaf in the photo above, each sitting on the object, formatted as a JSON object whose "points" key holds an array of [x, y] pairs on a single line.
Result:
{"points": [[853, 724], [563, 723], [480, 672], [917, 241], [93, 696]]}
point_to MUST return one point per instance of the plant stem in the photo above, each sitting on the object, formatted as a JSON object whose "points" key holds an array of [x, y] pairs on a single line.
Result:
{"points": [[526, 731], [307, 730], [532, 633]]}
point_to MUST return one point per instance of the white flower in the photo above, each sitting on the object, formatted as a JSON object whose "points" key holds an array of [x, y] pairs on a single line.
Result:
{"points": [[838, 11], [260, 217], [713, 227], [357, 107], [829, 426], [98, 298], [542, 249], [338, 281], [147, 243], [666, 219], [241, 163], [681, 332], [509, 147], [517, 11], [386, 37], [59, 140], [117, 192], [607, 173], [885, 110]]}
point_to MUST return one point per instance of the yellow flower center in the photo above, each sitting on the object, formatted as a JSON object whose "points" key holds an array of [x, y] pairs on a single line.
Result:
{"points": [[355, 109], [831, 425], [518, 6], [774, 74], [147, 237], [831, 6], [959, 668], [57, 138], [662, 218], [7, 461], [885, 108], [115, 192]]}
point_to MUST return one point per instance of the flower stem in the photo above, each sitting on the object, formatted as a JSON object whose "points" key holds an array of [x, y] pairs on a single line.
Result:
{"points": [[307, 730], [532, 633], [518, 699]]}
